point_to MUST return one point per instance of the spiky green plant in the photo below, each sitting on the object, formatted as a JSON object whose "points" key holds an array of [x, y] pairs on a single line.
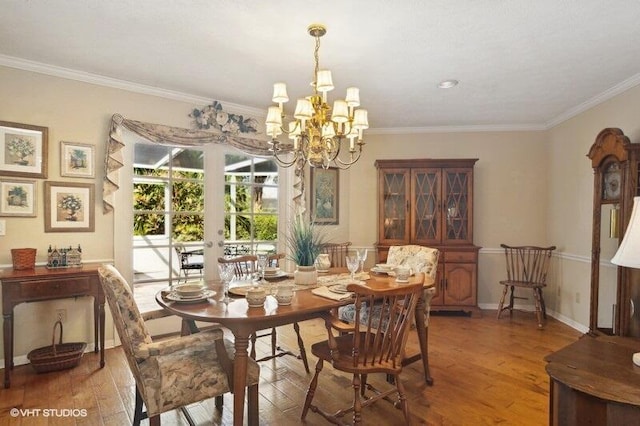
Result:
{"points": [[305, 241]]}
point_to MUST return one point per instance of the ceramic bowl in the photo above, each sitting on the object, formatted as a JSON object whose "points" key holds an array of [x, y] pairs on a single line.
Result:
{"points": [[189, 290]]}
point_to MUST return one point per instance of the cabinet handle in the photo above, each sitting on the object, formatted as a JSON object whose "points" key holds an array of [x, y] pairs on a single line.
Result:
{"points": [[445, 283], [633, 308], [408, 205]]}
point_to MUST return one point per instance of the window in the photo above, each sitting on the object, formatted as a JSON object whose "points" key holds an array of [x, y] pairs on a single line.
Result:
{"points": [[168, 207], [251, 204]]}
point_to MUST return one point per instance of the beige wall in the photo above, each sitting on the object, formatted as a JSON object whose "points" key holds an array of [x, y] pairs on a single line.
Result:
{"points": [[530, 187]]}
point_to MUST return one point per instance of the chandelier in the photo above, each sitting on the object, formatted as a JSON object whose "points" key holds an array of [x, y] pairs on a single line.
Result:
{"points": [[317, 130]]}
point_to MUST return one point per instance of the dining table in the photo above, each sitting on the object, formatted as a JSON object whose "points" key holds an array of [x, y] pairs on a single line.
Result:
{"points": [[243, 320]]}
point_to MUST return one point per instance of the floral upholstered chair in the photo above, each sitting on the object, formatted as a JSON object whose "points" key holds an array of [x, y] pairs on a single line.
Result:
{"points": [[419, 259], [171, 374]]}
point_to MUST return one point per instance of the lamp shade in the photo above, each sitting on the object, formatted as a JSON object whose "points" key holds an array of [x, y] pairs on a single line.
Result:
{"points": [[280, 93], [628, 253]]}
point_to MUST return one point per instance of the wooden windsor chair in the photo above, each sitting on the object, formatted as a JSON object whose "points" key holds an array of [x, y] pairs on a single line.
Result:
{"points": [[367, 347], [527, 267], [246, 266]]}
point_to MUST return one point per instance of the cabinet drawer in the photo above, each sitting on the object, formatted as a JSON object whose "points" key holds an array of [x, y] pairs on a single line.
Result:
{"points": [[460, 256], [61, 287]]}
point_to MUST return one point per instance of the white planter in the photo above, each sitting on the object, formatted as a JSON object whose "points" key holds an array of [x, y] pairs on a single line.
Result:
{"points": [[305, 275]]}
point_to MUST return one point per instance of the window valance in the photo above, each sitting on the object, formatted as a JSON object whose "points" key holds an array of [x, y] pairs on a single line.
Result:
{"points": [[162, 134]]}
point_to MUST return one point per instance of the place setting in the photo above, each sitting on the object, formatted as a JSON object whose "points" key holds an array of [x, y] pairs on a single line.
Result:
{"points": [[188, 293]]}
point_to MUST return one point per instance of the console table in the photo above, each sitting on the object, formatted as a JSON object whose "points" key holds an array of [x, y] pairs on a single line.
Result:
{"points": [[594, 381], [41, 283]]}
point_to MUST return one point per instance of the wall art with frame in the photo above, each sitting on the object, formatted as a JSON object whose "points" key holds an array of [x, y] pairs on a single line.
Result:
{"points": [[23, 150], [69, 207], [18, 197], [77, 160], [325, 196]]}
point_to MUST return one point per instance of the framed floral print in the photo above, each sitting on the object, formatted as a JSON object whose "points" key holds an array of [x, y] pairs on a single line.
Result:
{"points": [[77, 160], [23, 150], [18, 198], [324, 195], [69, 207]]}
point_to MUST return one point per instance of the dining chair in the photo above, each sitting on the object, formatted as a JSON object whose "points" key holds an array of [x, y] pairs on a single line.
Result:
{"points": [[246, 265], [527, 267], [190, 261], [337, 253], [173, 373], [420, 259], [367, 347]]}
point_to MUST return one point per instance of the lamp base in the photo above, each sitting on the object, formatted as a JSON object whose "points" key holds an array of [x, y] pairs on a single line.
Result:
{"points": [[636, 359]]}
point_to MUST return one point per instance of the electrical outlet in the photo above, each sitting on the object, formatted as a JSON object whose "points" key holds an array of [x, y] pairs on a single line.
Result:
{"points": [[61, 315]]}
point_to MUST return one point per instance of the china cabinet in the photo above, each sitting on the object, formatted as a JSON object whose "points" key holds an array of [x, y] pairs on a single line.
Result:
{"points": [[614, 296], [429, 202]]}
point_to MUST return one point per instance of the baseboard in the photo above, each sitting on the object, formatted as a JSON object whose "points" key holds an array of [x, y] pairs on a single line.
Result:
{"points": [[531, 308]]}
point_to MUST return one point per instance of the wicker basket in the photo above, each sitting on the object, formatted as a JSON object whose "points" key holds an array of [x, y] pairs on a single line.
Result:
{"points": [[57, 356], [23, 258]]}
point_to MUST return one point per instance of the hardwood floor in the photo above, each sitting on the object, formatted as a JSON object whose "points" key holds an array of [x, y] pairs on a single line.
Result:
{"points": [[486, 371]]}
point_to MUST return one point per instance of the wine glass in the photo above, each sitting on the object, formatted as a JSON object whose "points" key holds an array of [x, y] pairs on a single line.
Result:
{"points": [[227, 271], [262, 264], [362, 256], [353, 263]]}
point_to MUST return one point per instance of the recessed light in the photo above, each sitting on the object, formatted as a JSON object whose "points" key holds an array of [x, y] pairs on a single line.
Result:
{"points": [[447, 84]]}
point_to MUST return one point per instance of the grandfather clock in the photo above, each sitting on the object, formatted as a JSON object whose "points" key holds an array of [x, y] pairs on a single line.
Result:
{"points": [[613, 189]]}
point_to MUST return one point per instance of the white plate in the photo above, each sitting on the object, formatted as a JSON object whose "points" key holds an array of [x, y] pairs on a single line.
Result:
{"points": [[175, 297], [377, 270], [322, 271], [279, 274]]}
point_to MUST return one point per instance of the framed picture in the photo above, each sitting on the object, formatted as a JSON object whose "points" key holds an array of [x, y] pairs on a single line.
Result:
{"points": [[324, 195], [77, 160], [18, 198], [23, 150], [68, 207]]}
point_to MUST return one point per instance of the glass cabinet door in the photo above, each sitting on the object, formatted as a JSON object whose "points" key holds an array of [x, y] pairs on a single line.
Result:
{"points": [[394, 214], [426, 225], [457, 212]]}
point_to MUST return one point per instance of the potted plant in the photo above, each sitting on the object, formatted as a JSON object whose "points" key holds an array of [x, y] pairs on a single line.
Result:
{"points": [[305, 242]]}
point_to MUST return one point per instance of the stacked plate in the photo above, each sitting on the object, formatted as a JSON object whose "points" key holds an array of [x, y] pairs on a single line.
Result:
{"points": [[384, 268], [190, 293], [272, 272]]}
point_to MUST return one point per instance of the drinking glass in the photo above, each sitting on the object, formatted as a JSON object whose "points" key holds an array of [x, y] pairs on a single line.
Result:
{"points": [[227, 271], [362, 256], [353, 263], [262, 264]]}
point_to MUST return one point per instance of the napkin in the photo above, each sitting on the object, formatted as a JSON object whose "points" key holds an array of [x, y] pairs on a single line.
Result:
{"points": [[325, 292]]}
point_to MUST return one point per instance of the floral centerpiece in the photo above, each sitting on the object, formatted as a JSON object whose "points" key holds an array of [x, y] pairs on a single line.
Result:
{"points": [[305, 243]]}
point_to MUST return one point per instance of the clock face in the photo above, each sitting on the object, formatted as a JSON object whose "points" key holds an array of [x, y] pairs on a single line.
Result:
{"points": [[611, 182]]}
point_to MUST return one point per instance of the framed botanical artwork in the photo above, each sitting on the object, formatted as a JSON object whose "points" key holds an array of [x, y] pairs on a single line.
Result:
{"points": [[18, 198], [77, 160], [69, 207], [23, 150], [324, 195]]}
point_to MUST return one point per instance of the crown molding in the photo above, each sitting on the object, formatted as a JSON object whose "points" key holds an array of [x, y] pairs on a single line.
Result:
{"points": [[457, 129], [70, 74], [99, 80], [596, 100]]}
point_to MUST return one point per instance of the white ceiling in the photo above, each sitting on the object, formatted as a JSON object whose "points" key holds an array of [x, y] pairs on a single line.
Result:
{"points": [[522, 64]]}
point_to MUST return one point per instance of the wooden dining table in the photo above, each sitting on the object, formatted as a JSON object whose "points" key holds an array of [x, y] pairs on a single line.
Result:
{"points": [[242, 321]]}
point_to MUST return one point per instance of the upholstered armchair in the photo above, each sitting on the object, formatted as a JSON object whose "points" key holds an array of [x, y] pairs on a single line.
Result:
{"points": [[171, 374]]}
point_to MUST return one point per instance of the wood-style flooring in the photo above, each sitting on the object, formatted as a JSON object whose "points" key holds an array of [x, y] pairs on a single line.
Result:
{"points": [[486, 371]]}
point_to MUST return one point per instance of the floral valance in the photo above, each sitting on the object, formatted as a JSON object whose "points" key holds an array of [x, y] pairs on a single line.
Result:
{"points": [[168, 135]]}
